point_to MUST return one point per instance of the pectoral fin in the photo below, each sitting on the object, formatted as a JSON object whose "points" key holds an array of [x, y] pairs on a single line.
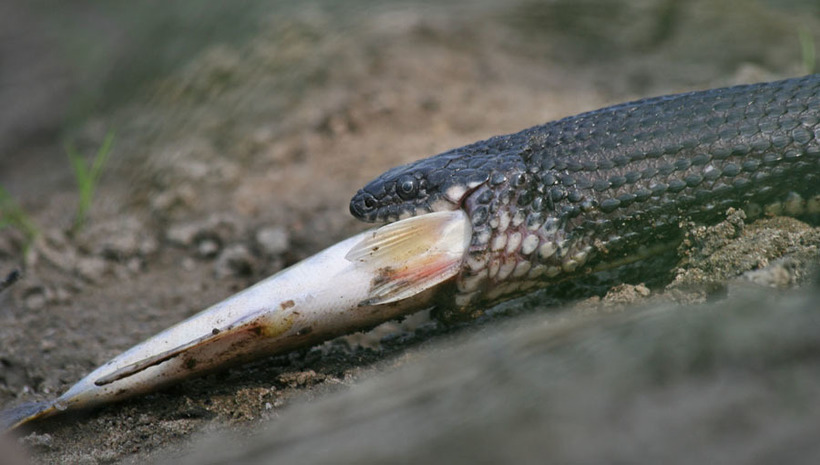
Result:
{"points": [[412, 255]]}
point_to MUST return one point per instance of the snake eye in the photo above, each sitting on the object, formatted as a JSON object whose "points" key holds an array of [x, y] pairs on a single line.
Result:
{"points": [[369, 202], [407, 187]]}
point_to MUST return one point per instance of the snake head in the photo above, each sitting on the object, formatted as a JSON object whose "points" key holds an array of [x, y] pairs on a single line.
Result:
{"points": [[439, 183]]}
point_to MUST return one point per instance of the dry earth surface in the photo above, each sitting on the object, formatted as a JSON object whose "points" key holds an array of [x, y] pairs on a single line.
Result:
{"points": [[240, 159]]}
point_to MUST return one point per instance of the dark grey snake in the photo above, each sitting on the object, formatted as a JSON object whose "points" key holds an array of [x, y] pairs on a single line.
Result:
{"points": [[602, 188], [547, 204]]}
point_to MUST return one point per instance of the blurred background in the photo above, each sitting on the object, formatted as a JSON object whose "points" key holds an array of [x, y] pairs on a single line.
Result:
{"points": [[230, 81]]}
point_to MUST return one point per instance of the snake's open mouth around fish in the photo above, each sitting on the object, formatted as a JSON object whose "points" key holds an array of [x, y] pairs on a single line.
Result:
{"points": [[492, 220]]}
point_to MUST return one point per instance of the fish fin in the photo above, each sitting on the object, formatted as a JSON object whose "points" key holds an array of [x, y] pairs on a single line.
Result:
{"points": [[24, 413], [412, 255], [141, 365]]}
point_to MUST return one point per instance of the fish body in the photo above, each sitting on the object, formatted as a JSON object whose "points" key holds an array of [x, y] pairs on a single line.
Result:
{"points": [[608, 187], [322, 297], [486, 222]]}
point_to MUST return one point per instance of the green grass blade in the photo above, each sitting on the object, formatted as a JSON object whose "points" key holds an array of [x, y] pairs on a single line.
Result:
{"points": [[87, 177]]}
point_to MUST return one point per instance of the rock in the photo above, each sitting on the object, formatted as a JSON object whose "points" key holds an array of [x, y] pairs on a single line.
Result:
{"points": [[273, 240], [92, 269], [626, 294], [300, 378], [182, 234], [38, 441], [207, 247], [178, 198], [206, 236], [235, 260], [119, 238], [55, 249]]}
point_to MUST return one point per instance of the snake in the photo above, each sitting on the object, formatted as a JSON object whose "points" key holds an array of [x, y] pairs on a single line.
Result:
{"points": [[492, 220], [608, 187]]}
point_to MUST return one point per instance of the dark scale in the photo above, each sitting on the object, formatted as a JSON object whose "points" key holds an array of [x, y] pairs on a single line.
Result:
{"points": [[591, 191]]}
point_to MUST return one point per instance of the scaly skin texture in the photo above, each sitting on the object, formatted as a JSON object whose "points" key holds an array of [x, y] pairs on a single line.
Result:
{"points": [[608, 187]]}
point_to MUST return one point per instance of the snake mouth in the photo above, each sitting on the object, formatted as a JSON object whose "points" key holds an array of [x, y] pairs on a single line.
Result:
{"points": [[437, 184], [367, 207]]}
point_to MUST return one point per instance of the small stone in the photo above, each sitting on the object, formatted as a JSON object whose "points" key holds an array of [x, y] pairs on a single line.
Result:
{"points": [[178, 198], [222, 228], [626, 294], [273, 240], [47, 345], [91, 269], [235, 260], [779, 275], [38, 441], [182, 234], [301, 378], [207, 248], [119, 238]]}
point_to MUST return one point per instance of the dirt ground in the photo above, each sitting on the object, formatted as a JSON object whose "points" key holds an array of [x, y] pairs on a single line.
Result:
{"points": [[240, 159]]}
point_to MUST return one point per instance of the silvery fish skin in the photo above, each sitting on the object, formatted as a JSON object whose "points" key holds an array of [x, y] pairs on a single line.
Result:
{"points": [[609, 187]]}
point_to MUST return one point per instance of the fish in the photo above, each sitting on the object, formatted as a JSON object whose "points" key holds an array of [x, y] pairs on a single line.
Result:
{"points": [[480, 224], [356, 284]]}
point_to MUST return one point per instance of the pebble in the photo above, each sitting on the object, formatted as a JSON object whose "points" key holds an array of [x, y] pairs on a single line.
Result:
{"points": [[235, 260], [92, 269], [300, 378], [217, 227], [207, 248], [273, 240], [177, 199], [119, 238], [38, 441], [779, 275]]}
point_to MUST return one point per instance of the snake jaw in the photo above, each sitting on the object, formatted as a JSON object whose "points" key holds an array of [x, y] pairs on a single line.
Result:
{"points": [[416, 189]]}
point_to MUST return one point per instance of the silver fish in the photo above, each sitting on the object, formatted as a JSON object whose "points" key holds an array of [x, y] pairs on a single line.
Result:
{"points": [[354, 285]]}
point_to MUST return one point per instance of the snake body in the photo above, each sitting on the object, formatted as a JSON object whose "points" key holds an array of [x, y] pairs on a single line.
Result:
{"points": [[607, 187]]}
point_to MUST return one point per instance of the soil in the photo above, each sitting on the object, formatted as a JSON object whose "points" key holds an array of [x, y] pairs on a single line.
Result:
{"points": [[240, 159]]}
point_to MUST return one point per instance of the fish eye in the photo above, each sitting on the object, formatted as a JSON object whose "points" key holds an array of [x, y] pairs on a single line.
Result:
{"points": [[407, 187]]}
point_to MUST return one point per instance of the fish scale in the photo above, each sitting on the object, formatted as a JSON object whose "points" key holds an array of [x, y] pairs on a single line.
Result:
{"points": [[611, 186]]}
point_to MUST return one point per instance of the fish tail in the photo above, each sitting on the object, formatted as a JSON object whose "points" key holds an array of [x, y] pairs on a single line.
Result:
{"points": [[16, 416]]}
